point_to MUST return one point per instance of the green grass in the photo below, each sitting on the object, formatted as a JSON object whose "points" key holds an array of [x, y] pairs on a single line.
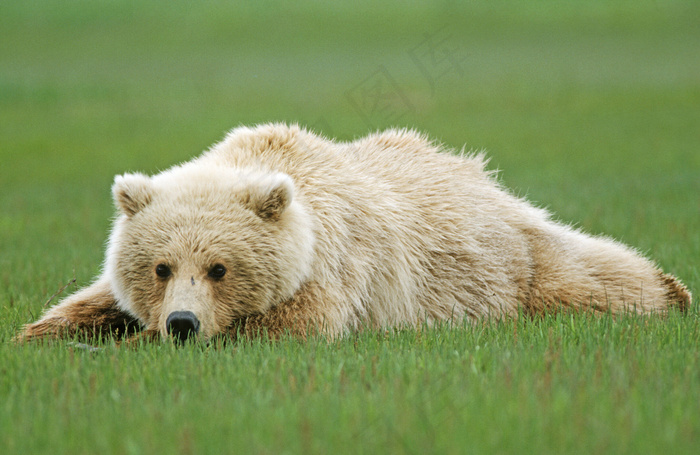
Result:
{"points": [[588, 385], [589, 108]]}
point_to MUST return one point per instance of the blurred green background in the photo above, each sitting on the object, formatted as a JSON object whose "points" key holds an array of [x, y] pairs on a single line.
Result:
{"points": [[589, 108]]}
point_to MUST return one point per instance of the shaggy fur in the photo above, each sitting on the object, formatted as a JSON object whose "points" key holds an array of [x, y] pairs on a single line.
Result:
{"points": [[387, 230]]}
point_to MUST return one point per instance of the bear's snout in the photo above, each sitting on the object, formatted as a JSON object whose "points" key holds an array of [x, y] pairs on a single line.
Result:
{"points": [[182, 325]]}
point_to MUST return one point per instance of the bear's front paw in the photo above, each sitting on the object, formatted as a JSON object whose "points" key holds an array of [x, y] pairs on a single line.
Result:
{"points": [[46, 328]]}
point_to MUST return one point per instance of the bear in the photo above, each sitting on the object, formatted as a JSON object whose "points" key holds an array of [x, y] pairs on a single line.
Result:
{"points": [[277, 230]]}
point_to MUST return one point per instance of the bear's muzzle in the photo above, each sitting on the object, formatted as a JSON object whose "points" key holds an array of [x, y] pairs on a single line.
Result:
{"points": [[182, 325]]}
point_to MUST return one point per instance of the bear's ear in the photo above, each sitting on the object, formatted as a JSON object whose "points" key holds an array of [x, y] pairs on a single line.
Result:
{"points": [[132, 192], [271, 197]]}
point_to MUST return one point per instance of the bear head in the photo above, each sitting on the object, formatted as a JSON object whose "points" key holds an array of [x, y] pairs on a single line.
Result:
{"points": [[196, 247]]}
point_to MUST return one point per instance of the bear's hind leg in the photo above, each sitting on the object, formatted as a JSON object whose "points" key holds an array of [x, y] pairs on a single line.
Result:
{"points": [[578, 271], [677, 294], [90, 312]]}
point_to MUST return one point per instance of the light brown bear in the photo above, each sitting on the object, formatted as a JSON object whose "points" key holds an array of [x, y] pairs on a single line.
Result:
{"points": [[276, 229]]}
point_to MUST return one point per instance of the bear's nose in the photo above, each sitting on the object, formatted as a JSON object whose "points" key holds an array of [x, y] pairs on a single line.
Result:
{"points": [[182, 325]]}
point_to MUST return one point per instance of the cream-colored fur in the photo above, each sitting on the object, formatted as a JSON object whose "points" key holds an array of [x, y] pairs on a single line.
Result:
{"points": [[383, 231]]}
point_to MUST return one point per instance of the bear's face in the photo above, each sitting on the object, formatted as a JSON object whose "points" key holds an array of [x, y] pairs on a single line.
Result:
{"points": [[202, 247]]}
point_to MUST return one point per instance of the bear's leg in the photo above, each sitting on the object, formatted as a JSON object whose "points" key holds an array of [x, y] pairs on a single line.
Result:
{"points": [[306, 313], [90, 312], [578, 271]]}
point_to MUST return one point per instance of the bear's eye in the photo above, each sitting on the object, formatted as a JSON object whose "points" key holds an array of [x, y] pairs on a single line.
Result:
{"points": [[163, 271], [218, 271]]}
